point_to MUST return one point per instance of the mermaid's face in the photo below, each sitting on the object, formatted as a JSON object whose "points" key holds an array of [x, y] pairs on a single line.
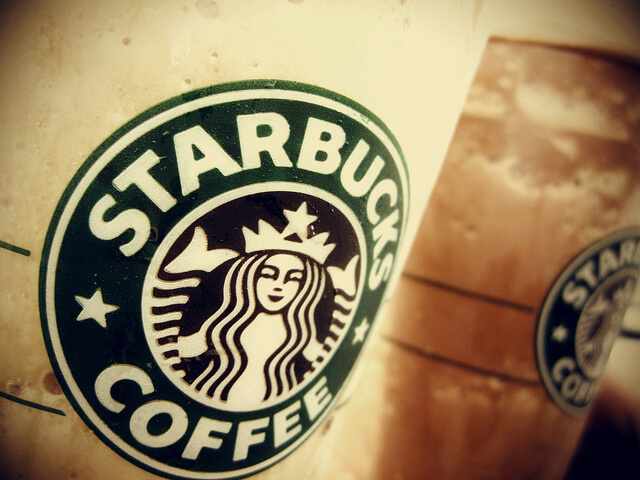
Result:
{"points": [[279, 281]]}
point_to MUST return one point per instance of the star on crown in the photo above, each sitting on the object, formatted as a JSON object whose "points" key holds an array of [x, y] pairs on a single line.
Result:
{"points": [[294, 238]]}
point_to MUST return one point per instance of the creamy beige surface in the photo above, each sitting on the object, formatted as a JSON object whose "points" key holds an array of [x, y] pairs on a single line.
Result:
{"points": [[74, 71], [60, 62]]}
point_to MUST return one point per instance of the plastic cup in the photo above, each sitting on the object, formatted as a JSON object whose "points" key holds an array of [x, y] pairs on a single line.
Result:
{"points": [[515, 289], [147, 148]]}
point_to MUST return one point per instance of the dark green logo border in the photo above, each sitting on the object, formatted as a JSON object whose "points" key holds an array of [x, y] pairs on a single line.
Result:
{"points": [[558, 321], [68, 206]]}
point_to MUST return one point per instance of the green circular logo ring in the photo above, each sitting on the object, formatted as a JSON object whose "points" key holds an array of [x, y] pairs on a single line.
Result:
{"points": [[213, 270]]}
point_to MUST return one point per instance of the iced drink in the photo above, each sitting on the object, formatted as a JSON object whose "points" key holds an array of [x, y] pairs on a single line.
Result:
{"points": [[517, 284], [203, 204]]}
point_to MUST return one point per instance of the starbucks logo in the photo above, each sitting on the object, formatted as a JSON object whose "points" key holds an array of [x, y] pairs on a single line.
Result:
{"points": [[213, 271], [582, 317]]}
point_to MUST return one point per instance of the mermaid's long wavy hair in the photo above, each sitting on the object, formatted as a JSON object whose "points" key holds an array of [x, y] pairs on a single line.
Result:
{"points": [[239, 308]]}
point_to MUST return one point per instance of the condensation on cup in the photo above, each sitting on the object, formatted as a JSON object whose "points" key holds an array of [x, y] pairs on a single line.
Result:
{"points": [[524, 266], [203, 204]]}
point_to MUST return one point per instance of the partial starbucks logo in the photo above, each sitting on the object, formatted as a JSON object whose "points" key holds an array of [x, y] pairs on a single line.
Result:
{"points": [[582, 317], [214, 269]]}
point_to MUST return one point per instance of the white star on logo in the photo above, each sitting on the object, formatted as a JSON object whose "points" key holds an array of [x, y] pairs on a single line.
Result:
{"points": [[560, 333], [360, 331], [300, 220], [94, 308]]}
